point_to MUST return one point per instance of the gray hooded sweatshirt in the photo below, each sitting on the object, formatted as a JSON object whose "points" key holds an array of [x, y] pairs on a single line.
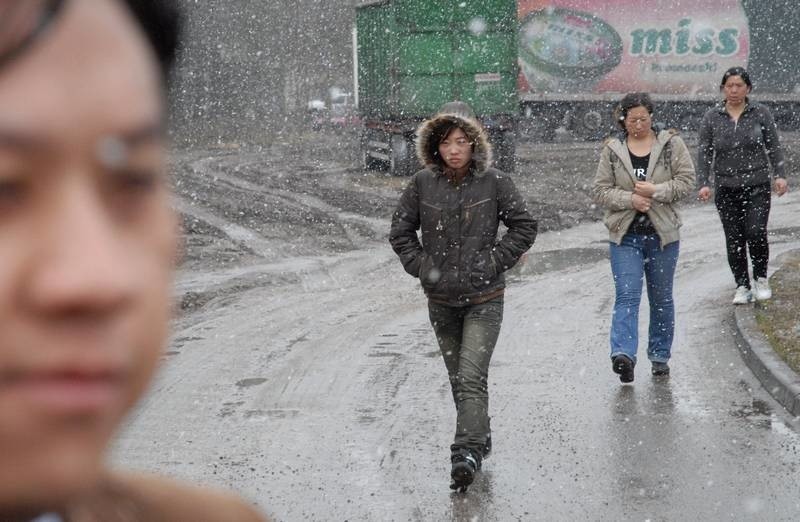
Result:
{"points": [[738, 153]]}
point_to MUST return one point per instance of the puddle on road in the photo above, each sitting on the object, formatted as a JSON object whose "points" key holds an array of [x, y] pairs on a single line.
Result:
{"points": [[271, 414], [384, 354], [366, 420], [366, 416], [229, 408], [758, 413], [538, 263], [180, 341], [297, 340], [247, 383], [478, 502]]}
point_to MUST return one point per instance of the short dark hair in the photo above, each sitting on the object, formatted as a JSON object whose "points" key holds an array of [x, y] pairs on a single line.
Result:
{"points": [[630, 101], [440, 131], [736, 71], [161, 22]]}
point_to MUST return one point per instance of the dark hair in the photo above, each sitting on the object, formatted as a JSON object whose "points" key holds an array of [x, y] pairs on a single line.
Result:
{"points": [[161, 22], [440, 131], [630, 101], [736, 71]]}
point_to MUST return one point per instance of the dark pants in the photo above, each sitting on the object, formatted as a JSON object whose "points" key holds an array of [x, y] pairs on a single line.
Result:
{"points": [[744, 212], [467, 336]]}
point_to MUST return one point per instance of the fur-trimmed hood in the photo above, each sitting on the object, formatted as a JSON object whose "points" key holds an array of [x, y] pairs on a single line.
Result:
{"points": [[482, 151]]}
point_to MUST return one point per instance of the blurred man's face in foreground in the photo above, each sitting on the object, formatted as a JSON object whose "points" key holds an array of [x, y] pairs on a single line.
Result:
{"points": [[87, 242]]}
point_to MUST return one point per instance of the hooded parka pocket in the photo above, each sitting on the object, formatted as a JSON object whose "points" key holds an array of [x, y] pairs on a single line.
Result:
{"points": [[431, 220], [484, 269], [429, 274]]}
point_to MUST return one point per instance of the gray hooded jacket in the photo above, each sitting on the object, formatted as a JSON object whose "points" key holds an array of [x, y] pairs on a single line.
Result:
{"points": [[738, 153], [460, 260]]}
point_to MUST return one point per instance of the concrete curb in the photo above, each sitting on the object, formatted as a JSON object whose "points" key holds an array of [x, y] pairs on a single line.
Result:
{"points": [[775, 375]]}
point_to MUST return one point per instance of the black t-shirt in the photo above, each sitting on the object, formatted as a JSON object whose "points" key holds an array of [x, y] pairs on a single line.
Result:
{"points": [[641, 223]]}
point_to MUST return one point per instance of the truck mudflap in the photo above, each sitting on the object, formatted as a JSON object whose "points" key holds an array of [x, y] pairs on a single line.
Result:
{"points": [[504, 147]]}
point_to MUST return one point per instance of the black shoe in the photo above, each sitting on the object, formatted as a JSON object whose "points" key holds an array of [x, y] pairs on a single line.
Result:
{"points": [[465, 465], [623, 365], [660, 369]]}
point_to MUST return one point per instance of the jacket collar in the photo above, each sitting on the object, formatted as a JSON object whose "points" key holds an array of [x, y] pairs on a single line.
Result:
{"points": [[474, 170], [748, 106], [619, 146]]}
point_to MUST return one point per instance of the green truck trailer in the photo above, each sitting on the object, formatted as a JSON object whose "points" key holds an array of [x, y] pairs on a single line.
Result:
{"points": [[413, 56]]}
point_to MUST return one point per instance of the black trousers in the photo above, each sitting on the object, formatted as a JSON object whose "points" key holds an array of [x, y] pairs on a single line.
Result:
{"points": [[467, 336], [744, 212]]}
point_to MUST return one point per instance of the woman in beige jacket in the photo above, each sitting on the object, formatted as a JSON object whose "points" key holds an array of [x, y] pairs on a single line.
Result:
{"points": [[640, 177]]}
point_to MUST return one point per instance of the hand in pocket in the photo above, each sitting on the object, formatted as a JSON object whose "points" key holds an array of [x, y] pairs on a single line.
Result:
{"points": [[484, 271], [429, 275]]}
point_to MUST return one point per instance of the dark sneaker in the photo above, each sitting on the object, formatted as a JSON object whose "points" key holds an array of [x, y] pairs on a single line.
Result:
{"points": [[660, 368], [623, 365], [465, 465]]}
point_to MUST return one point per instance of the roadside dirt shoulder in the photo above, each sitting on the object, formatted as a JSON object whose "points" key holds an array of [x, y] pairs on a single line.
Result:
{"points": [[779, 318]]}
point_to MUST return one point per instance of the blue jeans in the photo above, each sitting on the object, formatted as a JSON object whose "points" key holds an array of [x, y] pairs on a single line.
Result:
{"points": [[467, 336], [639, 257]]}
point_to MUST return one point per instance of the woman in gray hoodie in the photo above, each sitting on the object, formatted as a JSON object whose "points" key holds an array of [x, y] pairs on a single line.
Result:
{"points": [[738, 143]]}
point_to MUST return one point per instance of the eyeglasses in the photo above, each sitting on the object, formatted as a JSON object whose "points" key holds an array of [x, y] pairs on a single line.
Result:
{"points": [[22, 22], [641, 119]]}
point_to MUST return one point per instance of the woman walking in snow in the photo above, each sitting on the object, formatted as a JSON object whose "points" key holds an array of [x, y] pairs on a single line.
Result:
{"points": [[738, 142], [458, 201], [640, 176]]}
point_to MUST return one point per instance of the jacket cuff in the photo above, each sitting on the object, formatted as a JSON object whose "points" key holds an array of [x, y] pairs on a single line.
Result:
{"points": [[660, 193]]}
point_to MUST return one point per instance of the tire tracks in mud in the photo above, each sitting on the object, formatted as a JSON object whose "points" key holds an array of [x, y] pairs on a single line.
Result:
{"points": [[288, 249]]}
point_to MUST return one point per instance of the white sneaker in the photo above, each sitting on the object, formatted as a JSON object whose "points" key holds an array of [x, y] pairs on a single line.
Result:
{"points": [[761, 289], [742, 296]]}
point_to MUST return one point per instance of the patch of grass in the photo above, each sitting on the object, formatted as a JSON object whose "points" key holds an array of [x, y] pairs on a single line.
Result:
{"points": [[779, 318]]}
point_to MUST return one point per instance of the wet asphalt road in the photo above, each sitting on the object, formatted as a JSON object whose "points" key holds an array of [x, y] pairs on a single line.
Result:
{"points": [[320, 395]]}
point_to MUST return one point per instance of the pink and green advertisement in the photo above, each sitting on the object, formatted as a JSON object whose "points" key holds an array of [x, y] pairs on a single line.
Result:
{"points": [[659, 46]]}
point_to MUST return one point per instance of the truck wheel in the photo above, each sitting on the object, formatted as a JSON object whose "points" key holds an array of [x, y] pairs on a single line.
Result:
{"points": [[505, 148], [403, 159], [590, 124], [374, 150]]}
